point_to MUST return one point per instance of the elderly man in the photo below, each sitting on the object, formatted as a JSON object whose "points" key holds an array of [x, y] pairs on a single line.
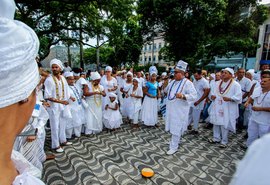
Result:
{"points": [[181, 93], [57, 92], [224, 111]]}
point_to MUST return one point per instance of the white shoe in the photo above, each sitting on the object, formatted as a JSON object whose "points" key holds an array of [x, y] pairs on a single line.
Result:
{"points": [[171, 151], [59, 150], [68, 143]]}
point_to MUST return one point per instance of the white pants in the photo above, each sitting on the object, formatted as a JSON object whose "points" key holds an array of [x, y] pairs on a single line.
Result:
{"points": [[255, 131], [175, 141], [58, 129], [194, 115], [220, 133], [75, 130]]}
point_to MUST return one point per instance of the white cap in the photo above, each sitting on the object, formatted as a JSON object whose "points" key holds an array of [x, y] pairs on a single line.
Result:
{"points": [[137, 79], [68, 74], [95, 76], [76, 74], [230, 70], [19, 47], [164, 74], [181, 65], [130, 73], [108, 68], [57, 62], [111, 94]]}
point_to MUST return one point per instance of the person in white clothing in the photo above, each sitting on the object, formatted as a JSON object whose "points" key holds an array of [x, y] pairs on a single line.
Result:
{"points": [[259, 122], [224, 111], [136, 95], [74, 124], [112, 118], [109, 83], [180, 94], [126, 112], [202, 87], [246, 85], [18, 49], [94, 93], [57, 92]]}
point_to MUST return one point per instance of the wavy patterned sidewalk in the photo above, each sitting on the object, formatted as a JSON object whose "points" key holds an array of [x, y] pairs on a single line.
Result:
{"points": [[117, 157]]}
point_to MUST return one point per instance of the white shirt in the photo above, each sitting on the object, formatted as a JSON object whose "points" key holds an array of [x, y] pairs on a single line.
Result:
{"points": [[246, 85], [200, 85]]}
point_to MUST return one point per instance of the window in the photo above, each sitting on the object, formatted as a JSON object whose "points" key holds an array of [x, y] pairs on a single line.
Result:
{"points": [[149, 58], [145, 59], [159, 45], [266, 44], [155, 46], [145, 47], [154, 58]]}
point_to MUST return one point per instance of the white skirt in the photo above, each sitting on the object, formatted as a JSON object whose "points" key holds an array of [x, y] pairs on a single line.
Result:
{"points": [[93, 116], [150, 111], [112, 119]]}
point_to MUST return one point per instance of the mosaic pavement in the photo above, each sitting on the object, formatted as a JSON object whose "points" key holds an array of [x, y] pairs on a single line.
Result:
{"points": [[116, 158]]}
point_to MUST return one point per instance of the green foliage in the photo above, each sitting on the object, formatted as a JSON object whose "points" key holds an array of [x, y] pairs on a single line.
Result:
{"points": [[201, 29]]}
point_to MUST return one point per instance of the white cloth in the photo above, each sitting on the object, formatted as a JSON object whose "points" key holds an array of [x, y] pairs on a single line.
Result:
{"points": [[260, 100], [108, 68], [254, 167], [200, 85], [136, 103], [112, 118], [230, 70], [94, 111], [220, 133], [56, 62], [127, 104], [177, 109], [255, 131], [246, 85], [153, 70], [107, 85], [68, 74], [95, 76], [79, 84], [225, 113], [150, 111], [18, 49], [181, 65]]}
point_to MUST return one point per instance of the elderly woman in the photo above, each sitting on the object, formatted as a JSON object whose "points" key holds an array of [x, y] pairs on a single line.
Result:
{"points": [[94, 93], [109, 83], [18, 50]]}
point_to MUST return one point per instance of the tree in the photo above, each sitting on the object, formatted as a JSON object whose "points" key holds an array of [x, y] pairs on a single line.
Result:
{"points": [[194, 29]]}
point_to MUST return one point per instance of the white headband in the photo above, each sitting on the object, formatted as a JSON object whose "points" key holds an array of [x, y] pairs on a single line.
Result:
{"points": [[19, 46]]}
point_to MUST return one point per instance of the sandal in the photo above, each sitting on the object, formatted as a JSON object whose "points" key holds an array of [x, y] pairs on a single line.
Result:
{"points": [[223, 146], [210, 140]]}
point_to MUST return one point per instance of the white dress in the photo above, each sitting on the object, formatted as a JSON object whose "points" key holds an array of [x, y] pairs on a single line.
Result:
{"points": [[107, 85], [126, 107], [94, 110], [136, 103], [112, 118], [28, 174]]}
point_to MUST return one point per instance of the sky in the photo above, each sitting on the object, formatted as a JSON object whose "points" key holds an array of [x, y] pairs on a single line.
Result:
{"points": [[265, 1]]}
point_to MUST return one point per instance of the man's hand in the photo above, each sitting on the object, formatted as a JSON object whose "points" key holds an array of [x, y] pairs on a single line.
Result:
{"points": [[64, 102], [73, 99], [227, 99], [256, 108], [106, 107], [196, 103], [179, 95], [30, 138], [213, 97]]}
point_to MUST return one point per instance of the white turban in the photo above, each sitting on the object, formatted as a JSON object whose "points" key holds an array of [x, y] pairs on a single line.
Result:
{"points": [[95, 76], [76, 74], [164, 74], [153, 70], [57, 62], [130, 73], [108, 68], [181, 65], [19, 46], [137, 79], [68, 74], [230, 70], [111, 94], [252, 72]]}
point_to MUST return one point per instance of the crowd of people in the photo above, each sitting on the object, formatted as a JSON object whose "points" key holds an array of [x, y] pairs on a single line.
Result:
{"points": [[75, 103]]}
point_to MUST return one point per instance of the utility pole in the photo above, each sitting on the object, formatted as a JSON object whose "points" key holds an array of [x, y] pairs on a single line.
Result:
{"points": [[98, 52], [81, 46]]}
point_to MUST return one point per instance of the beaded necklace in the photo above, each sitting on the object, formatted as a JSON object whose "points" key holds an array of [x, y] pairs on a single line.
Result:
{"points": [[227, 88], [57, 88], [169, 94], [259, 103], [76, 93], [98, 103]]}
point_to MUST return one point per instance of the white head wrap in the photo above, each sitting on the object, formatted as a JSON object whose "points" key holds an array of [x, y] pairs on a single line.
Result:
{"points": [[137, 79], [108, 68], [19, 46], [68, 74], [57, 62], [153, 70], [164, 74], [181, 65], [111, 94], [130, 73], [76, 74], [95, 76], [213, 75], [230, 70], [252, 72]]}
